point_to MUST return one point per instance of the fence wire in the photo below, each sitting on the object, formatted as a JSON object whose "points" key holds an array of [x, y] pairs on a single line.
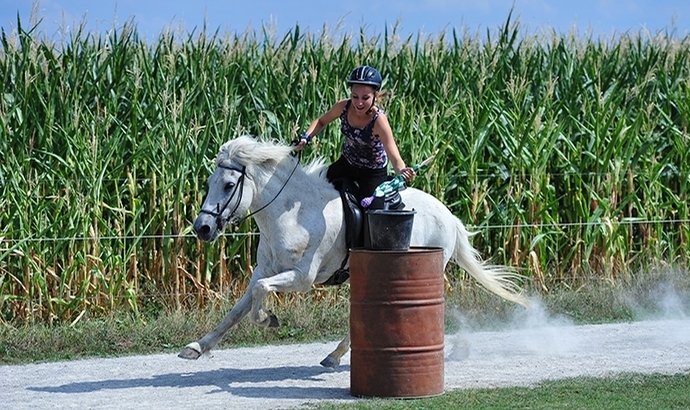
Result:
{"points": [[622, 222]]}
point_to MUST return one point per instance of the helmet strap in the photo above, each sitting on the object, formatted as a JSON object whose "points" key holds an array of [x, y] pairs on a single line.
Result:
{"points": [[373, 101]]}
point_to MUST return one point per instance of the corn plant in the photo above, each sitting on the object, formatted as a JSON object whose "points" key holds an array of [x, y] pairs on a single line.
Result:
{"points": [[568, 154]]}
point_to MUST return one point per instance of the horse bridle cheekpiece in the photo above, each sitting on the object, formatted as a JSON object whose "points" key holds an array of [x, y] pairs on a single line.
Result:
{"points": [[218, 214], [240, 184]]}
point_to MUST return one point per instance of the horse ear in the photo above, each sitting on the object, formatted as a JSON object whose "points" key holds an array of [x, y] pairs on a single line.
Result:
{"points": [[222, 152]]}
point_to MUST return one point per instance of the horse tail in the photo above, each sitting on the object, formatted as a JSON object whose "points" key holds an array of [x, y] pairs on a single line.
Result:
{"points": [[498, 279]]}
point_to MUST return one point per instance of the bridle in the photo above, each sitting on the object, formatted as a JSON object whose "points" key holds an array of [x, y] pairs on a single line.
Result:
{"points": [[220, 223], [219, 210]]}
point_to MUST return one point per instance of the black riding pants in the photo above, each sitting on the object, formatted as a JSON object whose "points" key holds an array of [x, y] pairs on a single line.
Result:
{"points": [[366, 179]]}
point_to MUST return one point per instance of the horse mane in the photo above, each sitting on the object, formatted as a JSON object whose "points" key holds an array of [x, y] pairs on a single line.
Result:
{"points": [[249, 152]]}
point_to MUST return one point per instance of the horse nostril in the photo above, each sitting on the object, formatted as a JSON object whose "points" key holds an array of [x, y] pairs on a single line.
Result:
{"points": [[202, 230], [200, 227]]}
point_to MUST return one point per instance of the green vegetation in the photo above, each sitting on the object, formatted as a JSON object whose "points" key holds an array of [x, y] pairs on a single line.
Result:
{"points": [[323, 314], [622, 392], [303, 318], [570, 156]]}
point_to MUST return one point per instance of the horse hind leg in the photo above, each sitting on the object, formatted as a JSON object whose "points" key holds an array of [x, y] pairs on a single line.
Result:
{"points": [[333, 359]]}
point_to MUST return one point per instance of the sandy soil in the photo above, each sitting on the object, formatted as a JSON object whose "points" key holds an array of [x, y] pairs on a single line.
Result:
{"points": [[279, 377]]}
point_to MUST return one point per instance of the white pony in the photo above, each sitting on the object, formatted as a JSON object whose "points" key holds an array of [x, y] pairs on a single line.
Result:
{"points": [[302, 231]]}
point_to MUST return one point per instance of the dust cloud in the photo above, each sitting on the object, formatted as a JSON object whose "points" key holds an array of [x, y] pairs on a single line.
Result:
{"points": [[537, 332]]}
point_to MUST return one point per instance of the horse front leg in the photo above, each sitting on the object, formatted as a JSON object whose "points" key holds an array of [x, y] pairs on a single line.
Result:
{"points": [[287, 281], [333, 359], [195, 349]]}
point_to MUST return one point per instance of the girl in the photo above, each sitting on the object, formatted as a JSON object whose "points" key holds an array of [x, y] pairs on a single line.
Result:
{"points": [[368, 143]]}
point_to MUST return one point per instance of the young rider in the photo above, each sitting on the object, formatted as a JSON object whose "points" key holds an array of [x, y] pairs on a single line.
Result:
{"points": [[369, 142]]}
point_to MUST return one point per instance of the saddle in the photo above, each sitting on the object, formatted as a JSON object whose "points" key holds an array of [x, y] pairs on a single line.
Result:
{"points": [[356, 226]]}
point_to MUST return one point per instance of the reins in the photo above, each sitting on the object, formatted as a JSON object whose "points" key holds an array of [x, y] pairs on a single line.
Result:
{"points": [[299, 157]]}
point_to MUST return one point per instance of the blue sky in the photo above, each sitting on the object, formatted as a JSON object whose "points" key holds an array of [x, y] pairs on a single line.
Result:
{"points": [[427, 17]]}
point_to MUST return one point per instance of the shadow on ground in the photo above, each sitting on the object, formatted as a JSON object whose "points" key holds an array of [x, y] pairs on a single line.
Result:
{"points": [[224, 380]]}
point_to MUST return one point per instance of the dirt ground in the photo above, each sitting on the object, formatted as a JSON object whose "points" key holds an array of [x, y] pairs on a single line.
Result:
{"points": [[281, 377]]}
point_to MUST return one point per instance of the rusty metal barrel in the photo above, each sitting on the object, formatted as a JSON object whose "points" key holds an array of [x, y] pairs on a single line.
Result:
{"points": [[396, 323]]}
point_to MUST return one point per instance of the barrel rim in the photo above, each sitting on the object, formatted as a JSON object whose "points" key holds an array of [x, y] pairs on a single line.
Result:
{"points": [[396, 212], [417, 249]]}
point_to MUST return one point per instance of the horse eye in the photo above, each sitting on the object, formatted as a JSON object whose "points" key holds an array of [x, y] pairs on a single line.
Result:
{"points": [[229, 186]]}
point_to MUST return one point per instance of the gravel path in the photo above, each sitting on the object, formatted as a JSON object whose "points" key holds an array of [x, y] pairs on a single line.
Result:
{"points": [[279, 377]]}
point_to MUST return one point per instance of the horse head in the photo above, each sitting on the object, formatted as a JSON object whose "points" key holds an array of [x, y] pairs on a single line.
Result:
{"points": [[227, 199], [229, 195], [241, 164]]}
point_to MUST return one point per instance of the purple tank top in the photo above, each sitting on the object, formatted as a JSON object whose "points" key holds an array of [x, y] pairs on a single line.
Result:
{"points": [[361, 148]]}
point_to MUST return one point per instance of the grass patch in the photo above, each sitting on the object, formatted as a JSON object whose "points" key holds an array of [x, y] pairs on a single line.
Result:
{"points": [[628, 391], [322, 314]]}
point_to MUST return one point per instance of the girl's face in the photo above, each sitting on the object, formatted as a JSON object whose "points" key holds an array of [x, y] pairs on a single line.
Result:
{"points": [[362, 97]]}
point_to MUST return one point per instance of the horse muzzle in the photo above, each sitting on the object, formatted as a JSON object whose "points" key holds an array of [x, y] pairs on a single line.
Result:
{"points": [[208, 226]]}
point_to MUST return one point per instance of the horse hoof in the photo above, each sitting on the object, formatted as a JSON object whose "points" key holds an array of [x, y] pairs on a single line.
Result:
{"points": [[191, 352], [273, 320], [329, 362]]}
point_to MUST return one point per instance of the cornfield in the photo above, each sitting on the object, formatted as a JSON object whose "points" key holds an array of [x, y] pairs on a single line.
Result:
{"points": [[569, 155]]}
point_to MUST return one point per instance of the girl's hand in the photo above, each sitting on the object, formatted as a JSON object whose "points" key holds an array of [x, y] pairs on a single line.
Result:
{"points": [[408, 173], [300, 145], [303, 141]]}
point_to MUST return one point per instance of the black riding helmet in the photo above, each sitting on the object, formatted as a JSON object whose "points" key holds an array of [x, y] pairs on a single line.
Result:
{"points": [[365, 75]]}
